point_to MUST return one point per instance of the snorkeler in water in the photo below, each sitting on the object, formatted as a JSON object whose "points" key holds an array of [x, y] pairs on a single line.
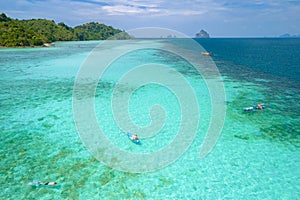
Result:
{"points": [[38, 183], [52, 183]]}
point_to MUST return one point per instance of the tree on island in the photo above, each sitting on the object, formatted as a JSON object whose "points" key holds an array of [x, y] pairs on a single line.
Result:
{"points": [[4, 18], [202, 34], [36, 32]]}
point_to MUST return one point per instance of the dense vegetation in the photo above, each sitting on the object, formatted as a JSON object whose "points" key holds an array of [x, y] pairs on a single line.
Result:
{"points": [[36, 32]]}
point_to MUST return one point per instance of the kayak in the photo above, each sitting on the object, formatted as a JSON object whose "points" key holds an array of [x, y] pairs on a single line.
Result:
{"points": [[253, 108], [129, 135]]}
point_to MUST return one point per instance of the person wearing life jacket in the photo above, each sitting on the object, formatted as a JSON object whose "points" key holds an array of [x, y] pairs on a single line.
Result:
{"points": [[259, 106], [134, 137]]}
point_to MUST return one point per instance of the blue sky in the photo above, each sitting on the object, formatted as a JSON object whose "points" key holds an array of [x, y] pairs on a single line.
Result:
{"points": [[220, 18]]}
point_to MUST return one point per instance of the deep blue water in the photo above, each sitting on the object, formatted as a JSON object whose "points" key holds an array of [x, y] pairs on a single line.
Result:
{"points": [[276, 56]]}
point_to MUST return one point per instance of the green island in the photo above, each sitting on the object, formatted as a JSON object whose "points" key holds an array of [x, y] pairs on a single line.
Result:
{"points": [[38, 32]]}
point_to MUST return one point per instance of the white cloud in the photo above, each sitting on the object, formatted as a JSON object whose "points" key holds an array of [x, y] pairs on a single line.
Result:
{"points": [[128, 10], [137, 3], [152, 11]]}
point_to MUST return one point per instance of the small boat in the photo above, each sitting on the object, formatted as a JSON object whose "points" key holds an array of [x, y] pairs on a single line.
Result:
{"points": [[206, 54], [258, 107], [130, 137]]}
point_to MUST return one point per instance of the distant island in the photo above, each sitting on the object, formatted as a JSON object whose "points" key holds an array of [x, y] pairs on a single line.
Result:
{"points": [[202, 34], [287, 35], [37, 32]]}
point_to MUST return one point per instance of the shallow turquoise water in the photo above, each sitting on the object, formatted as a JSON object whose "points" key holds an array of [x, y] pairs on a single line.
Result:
{"points": [[256, 157]]}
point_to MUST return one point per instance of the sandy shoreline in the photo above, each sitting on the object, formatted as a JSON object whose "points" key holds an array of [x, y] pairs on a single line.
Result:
{"points": [[21, 47]]}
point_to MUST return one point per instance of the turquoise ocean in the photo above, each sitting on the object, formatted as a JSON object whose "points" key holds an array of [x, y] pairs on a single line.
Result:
{"points": [[257, 155]]}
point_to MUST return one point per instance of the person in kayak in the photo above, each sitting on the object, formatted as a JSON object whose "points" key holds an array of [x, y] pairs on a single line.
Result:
{"points": [[134, 137], [259, 106]]}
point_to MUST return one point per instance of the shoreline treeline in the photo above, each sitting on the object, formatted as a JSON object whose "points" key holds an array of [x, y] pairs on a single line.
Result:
{"points": [[36, 32]]}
